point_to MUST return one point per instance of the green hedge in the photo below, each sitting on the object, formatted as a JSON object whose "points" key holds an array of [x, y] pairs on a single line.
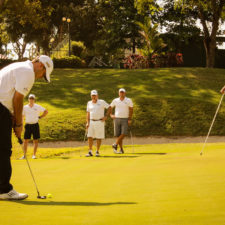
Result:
{"points": [[69, 62], [77, 48]]}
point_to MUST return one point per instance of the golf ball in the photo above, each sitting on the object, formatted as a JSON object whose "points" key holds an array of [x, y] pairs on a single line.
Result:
{"points": [[49, 195]]}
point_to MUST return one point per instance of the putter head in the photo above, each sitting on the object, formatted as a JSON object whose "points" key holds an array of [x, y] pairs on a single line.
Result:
{"points": [[41, 197]]}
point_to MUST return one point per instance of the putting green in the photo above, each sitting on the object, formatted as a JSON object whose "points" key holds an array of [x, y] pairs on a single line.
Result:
{"points": [[168, 184]]}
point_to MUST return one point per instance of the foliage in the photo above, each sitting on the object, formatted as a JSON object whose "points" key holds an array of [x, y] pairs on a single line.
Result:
{"points": [[5, 62], [211, 15], [68, 62], [78, 48], [153, 43]]}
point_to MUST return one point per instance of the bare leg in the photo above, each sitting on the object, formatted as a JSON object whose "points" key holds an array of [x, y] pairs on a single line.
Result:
{"points": [[25, 143], [90, 143], [119, 140], [99, 141], [35, 146]]}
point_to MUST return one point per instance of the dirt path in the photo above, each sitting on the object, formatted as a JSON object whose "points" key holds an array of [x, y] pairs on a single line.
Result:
{"points": [[137, 140]]}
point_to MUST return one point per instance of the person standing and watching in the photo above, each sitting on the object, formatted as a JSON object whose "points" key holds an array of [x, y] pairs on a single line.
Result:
{"points": [[122, 118], [16, 80], [32, 115], [96, 121]]}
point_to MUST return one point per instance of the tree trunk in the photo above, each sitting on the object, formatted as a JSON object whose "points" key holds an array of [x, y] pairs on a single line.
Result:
{"points": [[133, 46], [210, 49]]}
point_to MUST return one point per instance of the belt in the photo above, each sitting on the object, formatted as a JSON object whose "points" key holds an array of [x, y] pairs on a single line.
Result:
{"points": [[96, 120]]}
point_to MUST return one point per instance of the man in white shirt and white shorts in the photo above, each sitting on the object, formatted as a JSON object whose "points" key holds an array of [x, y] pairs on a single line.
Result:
{"points": [[32, 115], [96, 121], [122, 118], [16, 80]]}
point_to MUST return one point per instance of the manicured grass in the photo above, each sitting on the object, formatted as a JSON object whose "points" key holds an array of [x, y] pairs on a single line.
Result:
{"points": [[167, 101], [157, 184]]}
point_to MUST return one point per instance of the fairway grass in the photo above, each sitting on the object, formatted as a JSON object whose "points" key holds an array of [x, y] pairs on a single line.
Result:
{"points": [[165, 184], [167, 101]]}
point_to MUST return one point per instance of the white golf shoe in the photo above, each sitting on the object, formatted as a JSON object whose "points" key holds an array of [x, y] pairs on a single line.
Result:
{"points": [[89, 154], [23, 157], [34, 157], [13, 195]]}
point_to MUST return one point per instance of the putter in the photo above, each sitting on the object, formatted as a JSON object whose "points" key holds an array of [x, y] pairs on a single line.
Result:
{"points": [[85, 134], [39, 196], [214, 118], [132, 141]]}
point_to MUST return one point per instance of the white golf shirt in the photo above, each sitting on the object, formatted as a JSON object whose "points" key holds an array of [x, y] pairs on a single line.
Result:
{"points": [[18, 77], [122, 107], [97, 109], [32, 113]]}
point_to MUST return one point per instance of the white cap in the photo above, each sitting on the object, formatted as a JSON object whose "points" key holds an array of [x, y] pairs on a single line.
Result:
{"points": [[122, 90], [48, 63], [94, 92], [31, 96]]}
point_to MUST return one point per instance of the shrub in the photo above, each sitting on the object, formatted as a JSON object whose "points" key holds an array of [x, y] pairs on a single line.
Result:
{"points": [[69, 62], [78, 48]]}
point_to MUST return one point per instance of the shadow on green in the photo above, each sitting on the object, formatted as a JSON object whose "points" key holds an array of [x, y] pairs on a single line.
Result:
{"points": [[53, 203]]}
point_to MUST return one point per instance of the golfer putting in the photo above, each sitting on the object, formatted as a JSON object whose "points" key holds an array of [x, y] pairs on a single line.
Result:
{"points": [[122, 118], [32, 115], [96, 121], [16, 80]]}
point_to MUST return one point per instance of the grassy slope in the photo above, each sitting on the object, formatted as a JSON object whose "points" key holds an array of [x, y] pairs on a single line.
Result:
{"points": [[175, 187], [168, 101]]}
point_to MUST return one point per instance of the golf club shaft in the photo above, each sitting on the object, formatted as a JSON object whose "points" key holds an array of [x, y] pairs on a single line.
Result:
{"points": [[214, 118], [85, 134], [21, 144], [132, 141]]}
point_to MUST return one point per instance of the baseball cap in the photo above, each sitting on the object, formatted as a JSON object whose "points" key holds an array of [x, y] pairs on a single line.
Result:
{"points": [[94, 92], [122, 90], [48, 63], [31, 96]]}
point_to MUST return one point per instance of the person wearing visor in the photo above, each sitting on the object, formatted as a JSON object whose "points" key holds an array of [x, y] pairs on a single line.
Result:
{"points": [[16, 81], [32, 115], [122, 118], [96, 121]]}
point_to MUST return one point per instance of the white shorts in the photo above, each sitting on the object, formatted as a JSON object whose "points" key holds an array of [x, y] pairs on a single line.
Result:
{"points": [[96, 129]]}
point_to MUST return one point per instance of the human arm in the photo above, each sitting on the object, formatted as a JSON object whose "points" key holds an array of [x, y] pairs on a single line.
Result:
{"points": [[43, 114], [87, 119], [130, 115], [112, 105], [17, 113], [222, 90], [109, 110]]}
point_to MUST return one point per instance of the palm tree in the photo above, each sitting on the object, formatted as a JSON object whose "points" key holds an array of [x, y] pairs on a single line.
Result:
{"points": [[152, 42]]}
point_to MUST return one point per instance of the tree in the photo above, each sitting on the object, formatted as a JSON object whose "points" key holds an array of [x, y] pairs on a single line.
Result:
{"points": [[179, 29], [26, 21], [211, 14], [152, 41], [119, 28]]}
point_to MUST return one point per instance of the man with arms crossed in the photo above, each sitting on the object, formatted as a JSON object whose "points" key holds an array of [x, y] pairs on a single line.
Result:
{"points": [[122, 118], [96, 121], [16, 80], [32, 112]]}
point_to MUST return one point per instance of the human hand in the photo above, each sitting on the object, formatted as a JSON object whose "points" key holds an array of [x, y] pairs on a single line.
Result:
{"points": [[18, 130]]}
